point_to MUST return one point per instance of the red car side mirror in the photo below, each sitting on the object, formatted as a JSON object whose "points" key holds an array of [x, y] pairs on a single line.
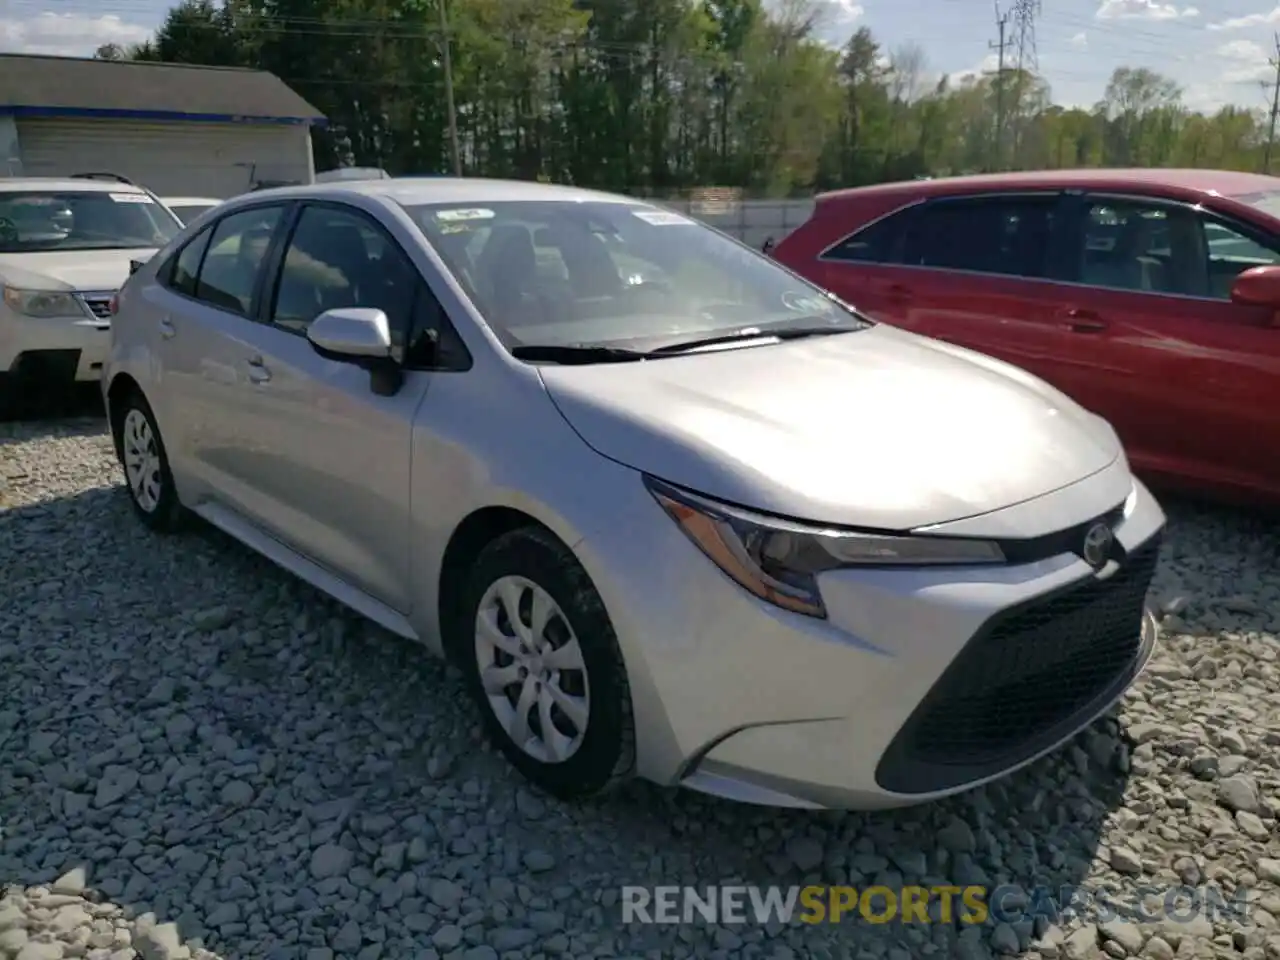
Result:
{"points": [[1258, 287]]}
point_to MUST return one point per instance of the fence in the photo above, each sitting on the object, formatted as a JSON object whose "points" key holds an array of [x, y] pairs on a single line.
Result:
{"points": [[751, 221]]}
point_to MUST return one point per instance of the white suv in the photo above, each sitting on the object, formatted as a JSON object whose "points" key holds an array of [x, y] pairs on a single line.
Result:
{"points": [[65, 249]]}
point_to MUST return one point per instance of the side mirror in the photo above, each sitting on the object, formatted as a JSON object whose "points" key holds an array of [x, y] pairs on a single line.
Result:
{"points": [[1258, 287], [362, 336]]}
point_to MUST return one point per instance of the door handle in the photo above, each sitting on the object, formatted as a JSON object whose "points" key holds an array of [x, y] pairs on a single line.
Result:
{"points": [[167, 329], [1082, 321], [898, 291], [258, 372]]}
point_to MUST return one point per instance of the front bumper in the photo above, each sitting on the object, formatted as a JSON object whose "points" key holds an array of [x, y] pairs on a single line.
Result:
{"points": [[921, 683], [62, 348]]}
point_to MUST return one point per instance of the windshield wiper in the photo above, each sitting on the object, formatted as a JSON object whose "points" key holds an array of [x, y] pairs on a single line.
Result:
{"points": [[575, 353], [755, 333]]}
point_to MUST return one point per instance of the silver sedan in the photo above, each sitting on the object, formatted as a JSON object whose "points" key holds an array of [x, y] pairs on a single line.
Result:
{"points": [[673, 511]]}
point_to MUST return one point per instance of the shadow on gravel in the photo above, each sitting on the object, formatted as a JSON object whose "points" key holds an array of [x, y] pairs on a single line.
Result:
{"points": [[216, 743], [54, 407]]}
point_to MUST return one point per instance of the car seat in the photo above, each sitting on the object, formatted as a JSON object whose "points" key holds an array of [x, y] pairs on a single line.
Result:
{"points": [[1130, 267], [508, 268]]}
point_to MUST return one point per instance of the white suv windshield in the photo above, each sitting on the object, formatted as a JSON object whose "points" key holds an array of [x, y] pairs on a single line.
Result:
{"points": [[33, 222], [559, 273]]}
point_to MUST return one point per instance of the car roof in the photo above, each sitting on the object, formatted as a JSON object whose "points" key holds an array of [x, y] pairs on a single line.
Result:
{"points": [[190, 201], [23, 184], [411, 191], [1226, 183]]}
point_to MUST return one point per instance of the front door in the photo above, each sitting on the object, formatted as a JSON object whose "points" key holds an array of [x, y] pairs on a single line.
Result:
{"points": [[1187, 377], [330, 472]]}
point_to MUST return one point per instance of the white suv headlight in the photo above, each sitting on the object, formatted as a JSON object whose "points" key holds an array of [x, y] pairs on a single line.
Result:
{"points": [[779, 561], [42, 303]]}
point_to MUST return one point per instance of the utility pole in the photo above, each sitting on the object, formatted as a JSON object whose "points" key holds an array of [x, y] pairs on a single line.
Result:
{"points": [[1275, 107], [1002, 21], [447, 63]]}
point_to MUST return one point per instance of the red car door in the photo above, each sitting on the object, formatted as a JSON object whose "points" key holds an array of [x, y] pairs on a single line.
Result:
{"points": [[1189, 379]]}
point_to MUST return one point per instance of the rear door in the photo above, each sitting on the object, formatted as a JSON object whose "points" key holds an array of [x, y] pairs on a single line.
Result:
{"points": [[203, 319], [1188, 378]]}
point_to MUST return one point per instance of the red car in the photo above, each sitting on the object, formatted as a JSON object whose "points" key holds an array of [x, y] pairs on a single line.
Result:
{"points": [[1150, 296]]}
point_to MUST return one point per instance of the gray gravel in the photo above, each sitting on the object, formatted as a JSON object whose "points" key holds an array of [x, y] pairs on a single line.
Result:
{"points": [[202, 757]]}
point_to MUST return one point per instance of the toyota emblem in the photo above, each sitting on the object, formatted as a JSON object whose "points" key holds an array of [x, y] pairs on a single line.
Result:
{"points": [[1097, 545]]}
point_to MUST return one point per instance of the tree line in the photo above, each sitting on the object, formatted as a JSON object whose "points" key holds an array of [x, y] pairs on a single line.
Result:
{"points": [[660, 97]]}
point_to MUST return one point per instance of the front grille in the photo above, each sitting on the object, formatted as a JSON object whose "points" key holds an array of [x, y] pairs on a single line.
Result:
{"points": [[1025, 678], [99, 305]]}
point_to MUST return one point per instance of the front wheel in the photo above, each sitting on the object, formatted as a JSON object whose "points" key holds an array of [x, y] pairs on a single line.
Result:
{"points": [[544, 666], [146, 465]]}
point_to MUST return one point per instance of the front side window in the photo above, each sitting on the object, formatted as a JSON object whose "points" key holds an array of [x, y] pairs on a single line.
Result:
{"points": [[337, 258], [1009, 236], [1228, 253], [602, 273], [237, 249], [1166, 248], [63, 220]]}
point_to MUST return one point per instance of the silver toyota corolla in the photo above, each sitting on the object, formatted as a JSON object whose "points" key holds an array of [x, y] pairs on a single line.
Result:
{"points": [[672, 510]]}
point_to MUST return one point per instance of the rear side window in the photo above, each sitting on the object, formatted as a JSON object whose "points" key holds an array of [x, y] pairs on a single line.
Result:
{"points": [[1009, 236], [186, 266], [230, 269], [877, 242]]}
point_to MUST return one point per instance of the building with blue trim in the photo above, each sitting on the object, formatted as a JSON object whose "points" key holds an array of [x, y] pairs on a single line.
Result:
{"points": [[176, 129]]}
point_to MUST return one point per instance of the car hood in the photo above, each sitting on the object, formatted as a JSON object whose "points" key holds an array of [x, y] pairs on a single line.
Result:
{"points": [[88, 270], [880, 428]]}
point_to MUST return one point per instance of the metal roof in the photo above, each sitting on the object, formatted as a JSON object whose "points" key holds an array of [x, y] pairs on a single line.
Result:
{"points": [[43, 86]]}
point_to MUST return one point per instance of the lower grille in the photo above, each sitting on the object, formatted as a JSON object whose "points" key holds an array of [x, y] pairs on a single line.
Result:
{"points": [[1026, 676]]}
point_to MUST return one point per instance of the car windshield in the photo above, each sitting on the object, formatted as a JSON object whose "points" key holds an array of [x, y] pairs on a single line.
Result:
{"points": [[554, 273], [186, 212], [32, 222]]}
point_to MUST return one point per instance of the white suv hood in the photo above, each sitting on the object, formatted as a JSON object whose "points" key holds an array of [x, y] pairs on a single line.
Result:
{"points": [[880, 429], [87, 270]]}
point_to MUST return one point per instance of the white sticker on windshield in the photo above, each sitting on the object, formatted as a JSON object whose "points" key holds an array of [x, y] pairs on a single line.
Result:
{"points": [[131, 198], [662, 218], [453, 216]]}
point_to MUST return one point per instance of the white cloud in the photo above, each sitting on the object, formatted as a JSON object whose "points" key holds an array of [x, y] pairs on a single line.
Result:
{"points": [[1143, 10], [835, 20], [1253, 20], [1080, 41], [990, 64], [1246, 61], [67, 34]]}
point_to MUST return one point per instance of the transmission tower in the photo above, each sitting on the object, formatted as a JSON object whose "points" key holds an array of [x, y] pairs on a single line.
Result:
{"points": [[1026, 62]]}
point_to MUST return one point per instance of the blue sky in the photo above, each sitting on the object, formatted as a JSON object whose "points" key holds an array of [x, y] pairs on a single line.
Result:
{"points": [[1216, 49]]}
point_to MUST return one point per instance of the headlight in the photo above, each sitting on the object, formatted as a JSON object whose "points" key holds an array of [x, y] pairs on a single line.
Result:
{"points": [[780, 561], [42, 303]]}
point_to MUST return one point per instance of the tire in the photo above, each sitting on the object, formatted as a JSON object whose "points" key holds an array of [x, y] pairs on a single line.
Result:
{"points": [[150, 486], [526, 562]]}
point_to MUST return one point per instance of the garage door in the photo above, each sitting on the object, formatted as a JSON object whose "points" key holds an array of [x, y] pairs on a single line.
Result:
{"points": [[171, 159]]}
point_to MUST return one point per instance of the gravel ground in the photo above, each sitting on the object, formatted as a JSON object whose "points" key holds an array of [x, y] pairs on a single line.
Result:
{"points": [[202, 757]]}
